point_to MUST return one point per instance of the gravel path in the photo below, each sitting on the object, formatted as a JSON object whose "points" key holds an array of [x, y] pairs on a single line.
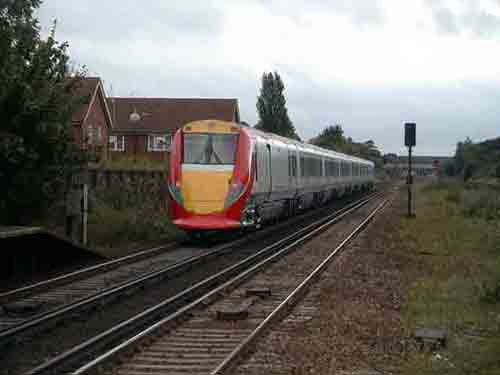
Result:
{"points": [[349, 320]]}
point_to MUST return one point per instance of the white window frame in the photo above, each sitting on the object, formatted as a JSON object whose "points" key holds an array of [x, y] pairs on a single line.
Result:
{"points": [[99, 135], [114, 143], [90, 134], [155, 144]]}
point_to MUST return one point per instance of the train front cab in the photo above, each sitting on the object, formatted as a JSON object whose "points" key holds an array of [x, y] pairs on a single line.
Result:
{"points": [[210, 176]]}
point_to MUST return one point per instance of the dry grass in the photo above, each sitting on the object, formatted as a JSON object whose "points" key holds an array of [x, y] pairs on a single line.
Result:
{"points": [[132, 163], [451, 265], [120, 219], [438, 270]]}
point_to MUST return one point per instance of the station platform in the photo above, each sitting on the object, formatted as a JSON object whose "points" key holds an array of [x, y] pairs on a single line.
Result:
{"points": [[9, 232], [31, 254]]}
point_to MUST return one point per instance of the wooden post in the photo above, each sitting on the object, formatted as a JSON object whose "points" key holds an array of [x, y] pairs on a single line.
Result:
{"points": [[85, 206]]}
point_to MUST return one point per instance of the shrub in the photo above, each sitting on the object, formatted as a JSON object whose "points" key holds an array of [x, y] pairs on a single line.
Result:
{"points": [[111, 226], [491, 294], [482, 202]]}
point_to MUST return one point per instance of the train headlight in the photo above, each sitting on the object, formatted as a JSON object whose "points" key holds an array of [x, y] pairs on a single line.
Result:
{"points": [[175, 193], [235, 192]]}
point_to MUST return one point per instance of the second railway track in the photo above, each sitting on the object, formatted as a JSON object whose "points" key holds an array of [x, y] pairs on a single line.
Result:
{"points": [[74, 356]]}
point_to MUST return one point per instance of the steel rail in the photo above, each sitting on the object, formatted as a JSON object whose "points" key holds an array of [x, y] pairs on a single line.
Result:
{"points": [[290, 301], [86, 303], [83, 304], [197, 295], [44, 285]]}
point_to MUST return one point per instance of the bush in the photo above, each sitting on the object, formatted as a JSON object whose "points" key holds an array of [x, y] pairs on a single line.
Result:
{"points": [[109, 226], [483, 203], [491, 294]]}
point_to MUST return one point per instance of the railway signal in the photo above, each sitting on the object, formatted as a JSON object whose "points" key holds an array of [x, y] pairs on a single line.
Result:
{"points": [[410, 141]]}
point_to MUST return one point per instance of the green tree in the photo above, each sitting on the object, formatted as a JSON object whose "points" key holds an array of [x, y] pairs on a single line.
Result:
{"points": [[332, 137], [37, 99], [271, 105]]}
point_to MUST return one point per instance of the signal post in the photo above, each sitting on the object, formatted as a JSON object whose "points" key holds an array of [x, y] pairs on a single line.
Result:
{"points": [[410, 138]]}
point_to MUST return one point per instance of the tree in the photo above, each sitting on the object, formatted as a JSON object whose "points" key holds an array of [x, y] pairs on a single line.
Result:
{"points": [[37, 99], [332, 137], [271, 105]]}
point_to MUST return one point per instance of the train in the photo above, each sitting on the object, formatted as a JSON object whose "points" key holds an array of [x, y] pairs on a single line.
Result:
{"points": [[228, 176]]}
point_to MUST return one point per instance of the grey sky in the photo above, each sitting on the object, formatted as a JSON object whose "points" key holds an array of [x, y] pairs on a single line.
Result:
{"points": [[369, 65]]}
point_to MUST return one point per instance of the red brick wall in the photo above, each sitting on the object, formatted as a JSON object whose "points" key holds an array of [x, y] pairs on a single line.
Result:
{"points": [[138, 145], [77, 133], [97, 119]]}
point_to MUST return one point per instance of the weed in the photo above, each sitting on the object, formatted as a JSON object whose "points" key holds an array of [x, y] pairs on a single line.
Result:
{"points": [[491, 295], [482, 203], [452, 278]]}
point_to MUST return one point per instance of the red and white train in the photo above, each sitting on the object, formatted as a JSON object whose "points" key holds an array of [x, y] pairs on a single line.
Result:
{"points": [[227, 176]]}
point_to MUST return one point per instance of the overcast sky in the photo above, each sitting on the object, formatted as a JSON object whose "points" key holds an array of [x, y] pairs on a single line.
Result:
{"points": [[370, 65]]}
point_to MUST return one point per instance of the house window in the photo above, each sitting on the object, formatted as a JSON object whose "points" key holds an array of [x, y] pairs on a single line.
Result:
{"points": [[117, 143], [90, 134], [159, 142], [99, 135]]}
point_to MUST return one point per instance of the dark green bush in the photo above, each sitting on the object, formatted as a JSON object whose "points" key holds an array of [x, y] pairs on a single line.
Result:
{"points": [[491, 294], [483, 203]]}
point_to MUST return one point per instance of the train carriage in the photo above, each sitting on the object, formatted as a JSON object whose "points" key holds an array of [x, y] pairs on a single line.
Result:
{"points": [[226, 176]]}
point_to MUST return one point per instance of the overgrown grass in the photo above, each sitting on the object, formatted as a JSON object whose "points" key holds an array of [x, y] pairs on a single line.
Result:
{"points": [[118, 218], [451, 254], [130, 162]]}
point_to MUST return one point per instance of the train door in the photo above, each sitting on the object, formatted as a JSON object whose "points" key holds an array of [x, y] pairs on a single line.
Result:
{"points": [[269, 171], [263, 171], [292, 169]]}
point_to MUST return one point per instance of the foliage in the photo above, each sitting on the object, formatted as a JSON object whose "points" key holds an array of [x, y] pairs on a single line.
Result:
{"points": [[131, 162], [271, 105], [332, 137], [491, 294], [129, 215], [37, 100], [482, 202], [449, 264], [477, 159]]}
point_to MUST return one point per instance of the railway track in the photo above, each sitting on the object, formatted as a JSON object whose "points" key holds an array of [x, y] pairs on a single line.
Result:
{"points": [[213, 343], [36, 306]]}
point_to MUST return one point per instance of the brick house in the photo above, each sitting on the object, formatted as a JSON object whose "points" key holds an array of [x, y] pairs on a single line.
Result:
{"points": [[143, 127], [92, 122]]}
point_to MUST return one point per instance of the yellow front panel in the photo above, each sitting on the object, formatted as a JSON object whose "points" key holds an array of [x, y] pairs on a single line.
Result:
{"points": [[204, 192], [211, 126]]}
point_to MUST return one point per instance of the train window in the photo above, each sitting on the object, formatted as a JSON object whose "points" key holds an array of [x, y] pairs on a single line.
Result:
{"points": [[210, 148], [346, 169], [289, 164], [292, 164], [255, 162]]}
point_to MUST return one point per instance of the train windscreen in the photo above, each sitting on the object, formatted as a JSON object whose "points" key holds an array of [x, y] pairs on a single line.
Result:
{"points": [[210, 148]]}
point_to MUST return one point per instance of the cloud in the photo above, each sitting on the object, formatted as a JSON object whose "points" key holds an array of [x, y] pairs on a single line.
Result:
{"points": [[361, 13], [446, 21], [369, 65], [120, 20], [479, 18]]}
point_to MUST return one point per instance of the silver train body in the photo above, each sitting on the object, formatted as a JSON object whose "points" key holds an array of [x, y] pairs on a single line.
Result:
{"points": [[291, 176]]}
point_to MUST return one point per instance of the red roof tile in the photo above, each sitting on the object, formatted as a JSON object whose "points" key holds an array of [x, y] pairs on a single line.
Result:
{"points": [[167, 115]]}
